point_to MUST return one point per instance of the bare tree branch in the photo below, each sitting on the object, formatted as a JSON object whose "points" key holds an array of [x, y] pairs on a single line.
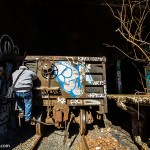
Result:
{"points": [[113, 46], [132, 16]]}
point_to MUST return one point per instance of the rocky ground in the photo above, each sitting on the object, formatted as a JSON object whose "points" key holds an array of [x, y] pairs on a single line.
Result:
{"points": [[108, 136], [98, 138]]}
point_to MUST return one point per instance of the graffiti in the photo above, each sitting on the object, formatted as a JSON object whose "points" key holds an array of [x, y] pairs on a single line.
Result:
{"points": [[98, 82], [83, 59], [72, 59], [61, 100], [95, 95], [2, 81], [119, 81], [70, 78], [147, 75], [76, 102], [97, 58], [105, 89], [5, 82], [118, 77], [89, 78], [5, 108], [8, 51], [4, 112], [7, 45], [7, 48], [91, 58], [55, 92], [5, 77], [91, 102]]}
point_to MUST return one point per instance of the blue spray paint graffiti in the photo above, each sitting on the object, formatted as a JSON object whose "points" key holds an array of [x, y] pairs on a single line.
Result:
{"points": [[71, 78], [89, 78]]}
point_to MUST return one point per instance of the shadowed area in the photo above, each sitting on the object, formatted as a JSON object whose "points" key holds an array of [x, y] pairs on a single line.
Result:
{"points": [[77, 28]]}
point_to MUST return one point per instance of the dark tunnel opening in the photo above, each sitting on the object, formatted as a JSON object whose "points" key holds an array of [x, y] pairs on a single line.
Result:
{"points": [[74, 28], [71, 28]]}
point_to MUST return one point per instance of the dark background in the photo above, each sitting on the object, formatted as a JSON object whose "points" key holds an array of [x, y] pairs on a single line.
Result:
{"points": [[66, 28], [78, 28]]}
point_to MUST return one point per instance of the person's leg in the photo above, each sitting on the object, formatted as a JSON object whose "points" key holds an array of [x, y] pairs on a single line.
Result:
{"points": [[20, 102], [28, 105]]}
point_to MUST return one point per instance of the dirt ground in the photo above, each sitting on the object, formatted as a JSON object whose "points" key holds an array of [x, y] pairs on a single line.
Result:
{"points": [[111, 138]]}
